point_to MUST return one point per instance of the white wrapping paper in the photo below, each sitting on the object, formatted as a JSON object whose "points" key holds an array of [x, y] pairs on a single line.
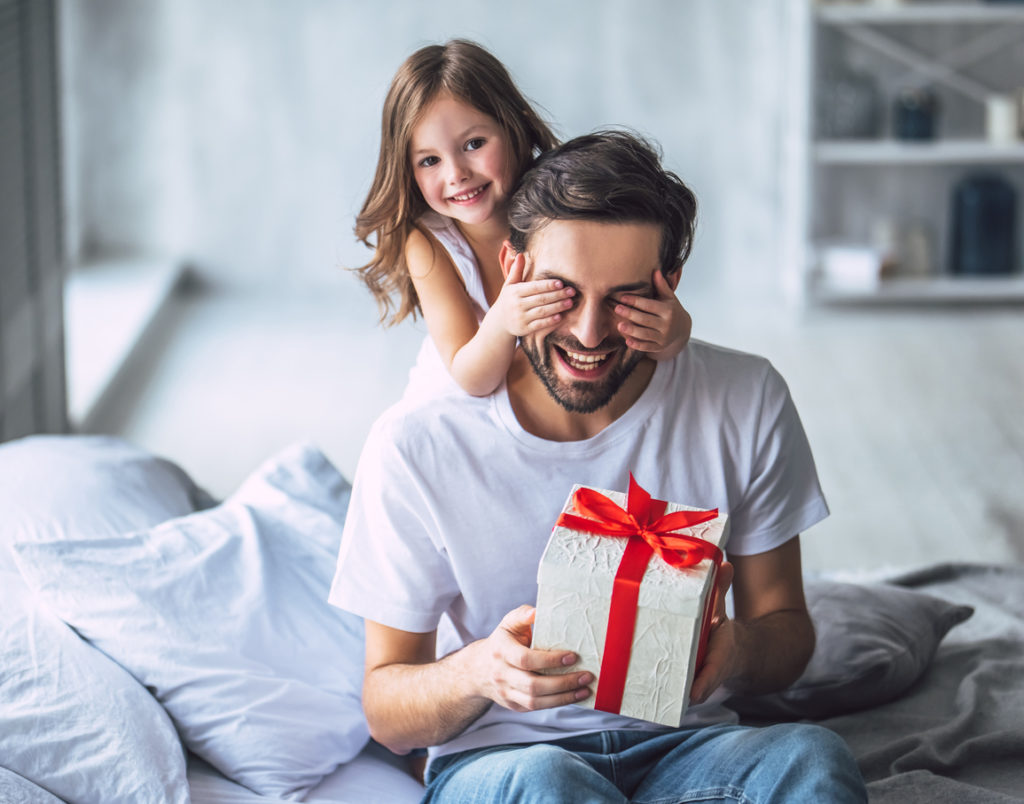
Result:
{"points": [[575, 580]]}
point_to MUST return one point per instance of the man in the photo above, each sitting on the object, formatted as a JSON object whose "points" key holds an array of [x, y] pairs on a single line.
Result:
{"points": [[454, 500]]}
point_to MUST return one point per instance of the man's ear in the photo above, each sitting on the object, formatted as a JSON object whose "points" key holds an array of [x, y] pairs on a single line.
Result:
{"points": [[507, 256]]}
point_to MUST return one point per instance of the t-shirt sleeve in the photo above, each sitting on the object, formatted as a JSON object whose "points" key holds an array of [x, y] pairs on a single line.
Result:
{"points": [[392, 567], [782, 495]]}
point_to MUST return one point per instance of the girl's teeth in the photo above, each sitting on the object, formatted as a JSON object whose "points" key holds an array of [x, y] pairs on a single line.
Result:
{"points": [[468, 196]]}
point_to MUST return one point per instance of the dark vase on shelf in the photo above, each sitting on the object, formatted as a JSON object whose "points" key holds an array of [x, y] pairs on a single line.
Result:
{"points": [[984, 226], [915, 114]]}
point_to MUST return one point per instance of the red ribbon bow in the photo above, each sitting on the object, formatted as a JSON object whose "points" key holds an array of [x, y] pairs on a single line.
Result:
{"points": [[649, 531]]}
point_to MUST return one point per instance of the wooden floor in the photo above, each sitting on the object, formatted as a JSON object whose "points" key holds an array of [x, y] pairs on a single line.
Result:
{"points": [[916, 417]]}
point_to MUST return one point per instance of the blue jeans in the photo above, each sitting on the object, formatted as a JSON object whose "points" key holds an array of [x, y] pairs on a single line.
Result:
{"points": [[787, 763]]}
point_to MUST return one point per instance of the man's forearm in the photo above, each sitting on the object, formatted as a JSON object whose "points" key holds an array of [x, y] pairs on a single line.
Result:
{"points": [[775, 650], [415, 705]]}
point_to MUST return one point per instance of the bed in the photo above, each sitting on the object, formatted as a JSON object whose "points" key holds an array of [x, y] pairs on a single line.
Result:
{"points": [[158, 645]]}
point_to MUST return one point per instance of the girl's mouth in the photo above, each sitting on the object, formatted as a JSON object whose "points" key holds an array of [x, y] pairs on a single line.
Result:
{"points": [[469, 195]]}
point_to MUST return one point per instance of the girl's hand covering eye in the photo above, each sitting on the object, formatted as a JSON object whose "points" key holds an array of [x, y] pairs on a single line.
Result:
{"points": [[530, 307], [659, 326]]}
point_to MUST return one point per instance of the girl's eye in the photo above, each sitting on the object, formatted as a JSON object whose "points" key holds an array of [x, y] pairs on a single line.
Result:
{"points": [[475, 143], [428, 161]]}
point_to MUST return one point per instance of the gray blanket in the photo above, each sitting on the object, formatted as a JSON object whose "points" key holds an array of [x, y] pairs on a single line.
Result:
{"points": [[958, 735]]}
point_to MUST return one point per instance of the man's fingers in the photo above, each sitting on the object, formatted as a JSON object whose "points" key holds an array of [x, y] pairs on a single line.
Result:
{"points": [[537, 686], [722, 583], [532, 660], [724, 579], [527, 679], [518, 624], [517, 652], [529, 691]]}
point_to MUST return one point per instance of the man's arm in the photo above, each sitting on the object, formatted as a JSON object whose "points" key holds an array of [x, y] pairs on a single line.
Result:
{"points": [[411, 700], [770, 641]]}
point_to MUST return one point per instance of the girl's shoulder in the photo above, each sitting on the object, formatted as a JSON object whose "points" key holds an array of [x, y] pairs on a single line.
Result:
{"points": [[423, 252], [436, 236]]}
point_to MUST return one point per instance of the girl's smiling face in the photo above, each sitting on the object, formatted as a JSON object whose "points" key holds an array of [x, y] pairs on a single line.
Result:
{"points": [[460, 161]]}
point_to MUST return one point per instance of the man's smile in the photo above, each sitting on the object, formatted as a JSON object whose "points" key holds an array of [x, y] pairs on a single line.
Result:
{"points": [[589, 365]]}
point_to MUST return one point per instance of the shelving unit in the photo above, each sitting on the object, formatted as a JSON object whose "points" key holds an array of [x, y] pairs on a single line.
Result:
{"points": [[911, 13], [964, 52], [893, 152]]}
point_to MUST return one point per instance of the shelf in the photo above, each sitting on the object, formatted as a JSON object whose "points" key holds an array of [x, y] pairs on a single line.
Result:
{"points": [[937, 152], [871, 26], [901, 45], [919, 14], [931, 290]]}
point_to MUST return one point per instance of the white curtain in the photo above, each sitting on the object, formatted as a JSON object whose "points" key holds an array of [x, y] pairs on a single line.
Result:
{"points": [[32, 383]]}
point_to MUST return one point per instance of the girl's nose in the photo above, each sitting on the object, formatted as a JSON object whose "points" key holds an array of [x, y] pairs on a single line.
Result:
{"points": [[457, 171]]}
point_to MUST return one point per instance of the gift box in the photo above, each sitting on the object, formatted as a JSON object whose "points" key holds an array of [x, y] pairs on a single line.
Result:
{"points": [[637, 575]]}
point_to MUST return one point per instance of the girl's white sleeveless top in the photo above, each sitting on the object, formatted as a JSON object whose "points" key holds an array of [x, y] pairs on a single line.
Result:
{"points": [[429, 377]]}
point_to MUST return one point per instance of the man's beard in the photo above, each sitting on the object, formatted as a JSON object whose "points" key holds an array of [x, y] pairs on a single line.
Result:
{"points": [[577, 396]]}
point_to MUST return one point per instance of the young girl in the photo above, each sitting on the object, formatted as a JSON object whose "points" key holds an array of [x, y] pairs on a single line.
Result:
{"points": [[455, 138]]}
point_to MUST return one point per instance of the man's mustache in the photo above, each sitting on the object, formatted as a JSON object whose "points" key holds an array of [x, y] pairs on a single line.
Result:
{"points": [[571, 344]]}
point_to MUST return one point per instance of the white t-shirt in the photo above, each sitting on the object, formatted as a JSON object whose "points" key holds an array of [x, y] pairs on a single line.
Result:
{"points": [[429, 376], [453, 503]]}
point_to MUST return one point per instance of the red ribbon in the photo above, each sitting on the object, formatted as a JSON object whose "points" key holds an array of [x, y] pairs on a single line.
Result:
{"points": [[649, 530]]}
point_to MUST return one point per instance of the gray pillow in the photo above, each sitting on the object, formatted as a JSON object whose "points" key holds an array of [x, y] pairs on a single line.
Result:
{"points": [[874, 642]]}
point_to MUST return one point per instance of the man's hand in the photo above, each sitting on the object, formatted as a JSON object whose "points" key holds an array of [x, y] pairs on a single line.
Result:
{"points": [[509, 669], [659, 326], [529, 307], [412, 699], [721, 656], [771, 640]]}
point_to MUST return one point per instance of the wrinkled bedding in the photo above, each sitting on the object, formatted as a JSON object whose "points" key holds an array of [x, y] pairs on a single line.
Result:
{"points": [[958, 734]]}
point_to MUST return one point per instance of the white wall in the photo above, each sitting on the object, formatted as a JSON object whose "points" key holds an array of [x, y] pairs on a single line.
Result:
{"points": [[242, 134]]}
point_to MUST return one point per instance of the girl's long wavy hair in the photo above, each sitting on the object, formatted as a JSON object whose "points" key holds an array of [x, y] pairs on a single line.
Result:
{"points": [[469, 73]]}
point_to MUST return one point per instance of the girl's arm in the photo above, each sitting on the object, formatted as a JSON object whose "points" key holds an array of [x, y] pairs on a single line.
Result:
{"points": [[478, 357]]}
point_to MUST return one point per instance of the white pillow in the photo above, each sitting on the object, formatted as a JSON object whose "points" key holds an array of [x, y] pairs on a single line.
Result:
{"points": [[16, 789], [74, 722], [54, 487], [224, 615]]}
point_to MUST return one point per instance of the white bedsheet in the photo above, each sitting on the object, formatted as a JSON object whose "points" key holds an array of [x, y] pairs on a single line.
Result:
{"points": [[374, 776]]}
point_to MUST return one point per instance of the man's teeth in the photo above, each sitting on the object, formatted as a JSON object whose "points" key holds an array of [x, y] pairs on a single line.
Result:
{"points": [[583, 362], [469, 195]]}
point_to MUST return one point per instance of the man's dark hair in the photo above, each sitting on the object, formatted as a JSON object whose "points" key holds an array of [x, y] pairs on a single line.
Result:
{"points": [[612, 176]]}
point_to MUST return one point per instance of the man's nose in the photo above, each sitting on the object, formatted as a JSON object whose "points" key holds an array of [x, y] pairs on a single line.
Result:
{"points": [[591, 323]]}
